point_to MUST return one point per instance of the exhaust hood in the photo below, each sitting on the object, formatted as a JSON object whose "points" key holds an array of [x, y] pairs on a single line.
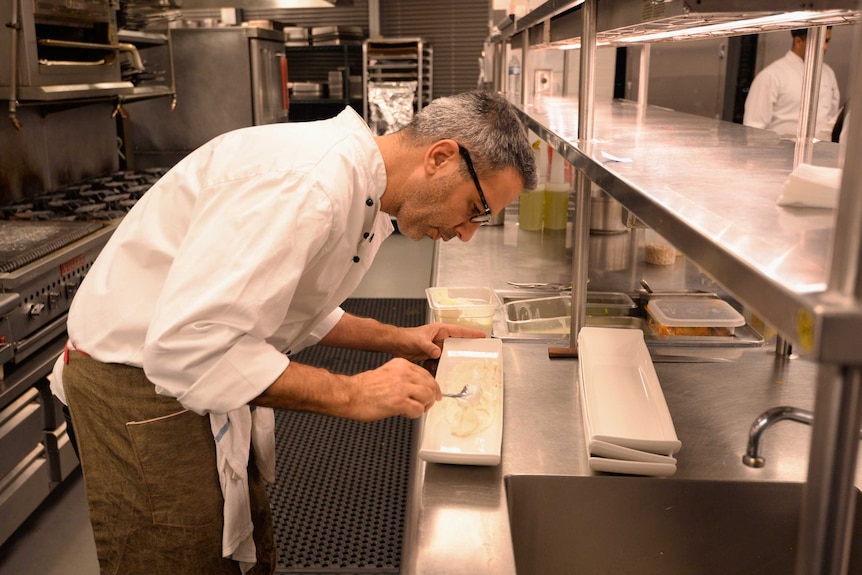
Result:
{"points": [[194, 4]]}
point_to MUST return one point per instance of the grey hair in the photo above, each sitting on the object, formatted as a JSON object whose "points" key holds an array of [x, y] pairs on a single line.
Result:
{"points": [[484, 123]]}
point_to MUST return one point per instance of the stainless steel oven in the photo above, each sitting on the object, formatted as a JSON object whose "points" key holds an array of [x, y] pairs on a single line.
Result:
{"points": [[58, 43], [226, 78]]}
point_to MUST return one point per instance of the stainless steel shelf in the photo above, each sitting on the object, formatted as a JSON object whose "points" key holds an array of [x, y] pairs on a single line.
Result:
{"points": [[141, 38], [63, 92], [147, 92], [710, 188]]}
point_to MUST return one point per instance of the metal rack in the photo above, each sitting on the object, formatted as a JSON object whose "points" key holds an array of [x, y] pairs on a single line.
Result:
{"points": [[399, 60], [804, 277]]}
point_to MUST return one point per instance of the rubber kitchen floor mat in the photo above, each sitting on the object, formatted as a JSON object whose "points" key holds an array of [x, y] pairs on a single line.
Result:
{"points": [[340, 495]]}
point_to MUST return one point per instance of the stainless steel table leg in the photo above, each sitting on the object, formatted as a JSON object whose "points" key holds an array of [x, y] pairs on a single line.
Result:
{"points": [[828, 502]]}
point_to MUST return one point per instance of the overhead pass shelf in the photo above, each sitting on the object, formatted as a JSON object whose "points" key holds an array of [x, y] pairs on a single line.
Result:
{"points": [[635, 21], [710, 188]]}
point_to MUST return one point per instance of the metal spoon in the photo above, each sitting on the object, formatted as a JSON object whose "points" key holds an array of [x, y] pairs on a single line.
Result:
{"points": [[467, 390]]}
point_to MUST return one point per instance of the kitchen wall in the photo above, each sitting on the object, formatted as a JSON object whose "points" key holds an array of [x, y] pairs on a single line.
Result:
{"points": [[456, 29]]}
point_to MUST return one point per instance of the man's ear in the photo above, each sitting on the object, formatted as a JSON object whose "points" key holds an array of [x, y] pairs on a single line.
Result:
{"points": [[440, 155]]}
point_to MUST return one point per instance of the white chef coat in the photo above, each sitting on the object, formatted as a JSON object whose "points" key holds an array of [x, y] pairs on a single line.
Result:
{"points": [[774, 101], [240, 253]]}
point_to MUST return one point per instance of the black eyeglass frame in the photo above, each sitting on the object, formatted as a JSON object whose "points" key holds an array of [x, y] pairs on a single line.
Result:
{"points": [[485, 217]]}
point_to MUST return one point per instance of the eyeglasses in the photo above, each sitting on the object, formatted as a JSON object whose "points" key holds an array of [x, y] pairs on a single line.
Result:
{"points": [[484, 217]]}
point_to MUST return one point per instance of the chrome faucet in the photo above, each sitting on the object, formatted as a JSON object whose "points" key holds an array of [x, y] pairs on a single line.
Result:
{"points": [[764, 421]]}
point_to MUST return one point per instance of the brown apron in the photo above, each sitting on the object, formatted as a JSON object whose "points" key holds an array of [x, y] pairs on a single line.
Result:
{"points": [[149, 470]]}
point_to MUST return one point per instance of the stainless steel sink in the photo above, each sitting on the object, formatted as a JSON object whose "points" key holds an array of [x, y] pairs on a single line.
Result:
{"points": [[611, 525]]}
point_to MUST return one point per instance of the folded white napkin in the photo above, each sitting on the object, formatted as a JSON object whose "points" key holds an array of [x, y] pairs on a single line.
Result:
{"points": [[811, 187], [235, 433]]}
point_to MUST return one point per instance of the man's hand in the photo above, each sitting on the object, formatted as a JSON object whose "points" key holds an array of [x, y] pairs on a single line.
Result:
{"points": [[413, 343], [426, 341], [398, 387]]}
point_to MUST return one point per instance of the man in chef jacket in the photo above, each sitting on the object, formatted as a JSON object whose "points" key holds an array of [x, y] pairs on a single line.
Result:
{"points": [[774, 101], [239, 256]]}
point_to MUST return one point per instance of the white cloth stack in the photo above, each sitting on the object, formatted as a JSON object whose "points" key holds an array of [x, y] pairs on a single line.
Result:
{"points": [[811, 187]]}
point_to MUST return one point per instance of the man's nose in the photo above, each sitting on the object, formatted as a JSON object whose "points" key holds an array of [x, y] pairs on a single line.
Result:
{"points": [[467, 230]]}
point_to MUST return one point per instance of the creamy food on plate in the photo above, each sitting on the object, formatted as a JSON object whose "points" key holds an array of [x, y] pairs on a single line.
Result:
{"points": [[475, 412]]}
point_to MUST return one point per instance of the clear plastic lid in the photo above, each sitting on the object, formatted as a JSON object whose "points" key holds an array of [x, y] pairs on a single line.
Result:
{"points": [[686, 311], [455, 298]]}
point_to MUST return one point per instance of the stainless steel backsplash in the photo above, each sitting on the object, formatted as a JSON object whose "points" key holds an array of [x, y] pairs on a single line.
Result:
{"points": [[55, 147]]}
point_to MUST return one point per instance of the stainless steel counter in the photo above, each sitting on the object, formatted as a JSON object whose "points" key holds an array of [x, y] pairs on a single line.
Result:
{"points": [[457, 515]]}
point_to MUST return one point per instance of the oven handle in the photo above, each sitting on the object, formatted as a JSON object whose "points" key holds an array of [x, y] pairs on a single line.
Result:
{"points": [[73, 44], [24, 347], [71, 63]]}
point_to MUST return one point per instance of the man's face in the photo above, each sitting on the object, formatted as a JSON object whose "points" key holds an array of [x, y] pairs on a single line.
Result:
{"points": [[802, 44], [441, 205]]}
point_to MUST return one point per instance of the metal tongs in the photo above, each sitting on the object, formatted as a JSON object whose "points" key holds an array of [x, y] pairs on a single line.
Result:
{"points": [[692, 292], [542, 285]]}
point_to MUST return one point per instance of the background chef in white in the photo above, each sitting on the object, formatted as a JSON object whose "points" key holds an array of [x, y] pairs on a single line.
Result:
{"points": [[241, 253], [774, 101]]}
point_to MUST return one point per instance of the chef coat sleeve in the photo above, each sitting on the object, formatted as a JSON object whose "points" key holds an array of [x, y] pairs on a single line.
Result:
{"points": [[319, 331], [230, 287], [835, 105], [760, 101]]}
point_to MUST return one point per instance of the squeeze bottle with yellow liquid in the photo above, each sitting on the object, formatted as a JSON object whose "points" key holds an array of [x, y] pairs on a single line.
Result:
{"points": [[531, 203], [557, 194]]}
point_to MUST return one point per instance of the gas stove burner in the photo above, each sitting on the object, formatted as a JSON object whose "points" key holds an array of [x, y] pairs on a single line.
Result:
{"points": [[104, 198], [24, 242]]}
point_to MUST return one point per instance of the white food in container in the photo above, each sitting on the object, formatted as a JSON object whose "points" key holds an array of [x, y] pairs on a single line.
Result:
{"points": [[473, 413], [472, 307]]}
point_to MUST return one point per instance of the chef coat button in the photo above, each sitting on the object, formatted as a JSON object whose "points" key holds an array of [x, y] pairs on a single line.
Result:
{"points": [[356, 259], [365, 235], [369, 202]]}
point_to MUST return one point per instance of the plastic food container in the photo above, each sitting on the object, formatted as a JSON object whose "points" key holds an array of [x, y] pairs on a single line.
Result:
{"points": [[554, 314], [609, 303], [692, 316], [540, 315], [472, 307]]}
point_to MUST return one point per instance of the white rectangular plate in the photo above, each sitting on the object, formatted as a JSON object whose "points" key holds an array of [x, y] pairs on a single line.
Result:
{"points": [[632, 467], [613, 451], [438, 443], [622, 401]]}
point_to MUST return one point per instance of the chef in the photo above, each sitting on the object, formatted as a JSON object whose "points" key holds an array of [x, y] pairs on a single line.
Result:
{"points": [[181, 332], [774, 101]]}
